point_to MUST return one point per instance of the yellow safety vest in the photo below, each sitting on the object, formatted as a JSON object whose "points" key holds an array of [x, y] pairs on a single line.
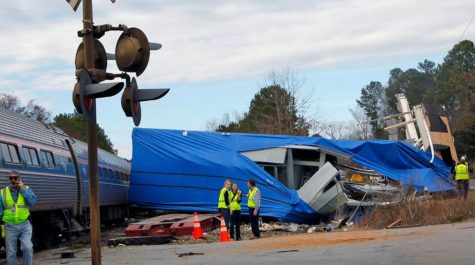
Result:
{"points": [[252, 193], [15, 213], [461, 172], [222, 202], [235, 205]]}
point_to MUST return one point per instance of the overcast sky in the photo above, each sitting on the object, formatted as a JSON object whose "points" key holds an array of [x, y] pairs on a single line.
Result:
{"points": [[216, 54]]}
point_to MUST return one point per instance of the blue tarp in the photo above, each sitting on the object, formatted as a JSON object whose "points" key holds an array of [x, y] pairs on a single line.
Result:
{"points": [[184, 170]]}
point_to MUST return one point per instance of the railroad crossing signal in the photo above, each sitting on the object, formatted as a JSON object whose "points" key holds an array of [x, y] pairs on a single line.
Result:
{"points": [[100, 56], [132, 54], [132, 51], [132, 97], [85, 91]]}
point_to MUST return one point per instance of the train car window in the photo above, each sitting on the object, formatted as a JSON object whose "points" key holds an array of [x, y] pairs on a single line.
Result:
{"points": [[31, 156], [10, 153], [43, 157], [111, 173], [34, 157], [48, 158], [14, 154], [26, 155], [6, 152]]}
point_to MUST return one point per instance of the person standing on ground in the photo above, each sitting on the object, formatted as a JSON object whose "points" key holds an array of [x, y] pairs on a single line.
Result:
{"points": [[15, 213], [224, 202], [254, 204], [462, 176], [235, 198]]}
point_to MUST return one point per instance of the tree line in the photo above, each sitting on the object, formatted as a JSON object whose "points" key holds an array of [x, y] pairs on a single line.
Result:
{"points": [[73, 124]]}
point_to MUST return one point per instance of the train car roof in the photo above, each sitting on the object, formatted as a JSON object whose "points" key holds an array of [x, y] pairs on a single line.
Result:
{"points": [[17, 125], [104, 157]]}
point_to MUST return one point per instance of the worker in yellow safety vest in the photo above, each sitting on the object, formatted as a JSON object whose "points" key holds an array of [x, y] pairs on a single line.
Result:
{"points": [[254, 205], [462, 176], [235, 198], [14, 211], [224, 203]]}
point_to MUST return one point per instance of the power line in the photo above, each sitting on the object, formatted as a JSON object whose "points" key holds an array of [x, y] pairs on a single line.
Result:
{"points": [[466, 28]]}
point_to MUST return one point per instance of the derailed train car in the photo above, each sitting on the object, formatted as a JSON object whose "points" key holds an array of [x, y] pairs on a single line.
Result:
{"points": [[181, 170], [55, 166]]}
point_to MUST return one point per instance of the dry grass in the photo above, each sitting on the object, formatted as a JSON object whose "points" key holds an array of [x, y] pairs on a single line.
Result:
{"points": [[430, 211]]}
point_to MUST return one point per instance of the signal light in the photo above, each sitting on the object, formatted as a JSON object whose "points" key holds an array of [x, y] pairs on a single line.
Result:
{"points": [[85, 91], [132, 96], [100, 56], [132, 51]]}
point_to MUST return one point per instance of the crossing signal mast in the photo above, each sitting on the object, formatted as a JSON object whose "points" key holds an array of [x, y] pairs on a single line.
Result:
{"points": [[132, 53]]}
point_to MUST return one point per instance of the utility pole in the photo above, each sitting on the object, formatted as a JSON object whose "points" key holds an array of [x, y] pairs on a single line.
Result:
{"points": [[94, 213]]}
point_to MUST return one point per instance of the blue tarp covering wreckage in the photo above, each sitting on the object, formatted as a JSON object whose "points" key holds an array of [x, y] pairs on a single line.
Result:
{"points": [[184, 170]]}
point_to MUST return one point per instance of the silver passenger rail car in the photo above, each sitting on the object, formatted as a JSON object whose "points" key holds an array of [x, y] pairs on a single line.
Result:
{"points": [[55, 167]]}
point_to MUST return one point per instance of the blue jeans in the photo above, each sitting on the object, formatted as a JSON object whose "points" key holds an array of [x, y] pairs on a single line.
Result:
{"points": [[227, 216], [22, 232]]}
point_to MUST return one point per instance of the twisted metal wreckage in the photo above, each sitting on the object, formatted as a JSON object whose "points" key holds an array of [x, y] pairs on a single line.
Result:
{"points": [[300, 178]]}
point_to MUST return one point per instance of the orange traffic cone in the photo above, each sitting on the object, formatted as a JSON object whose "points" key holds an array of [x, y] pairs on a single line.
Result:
{"points": [[223, 235], [197, 232]]}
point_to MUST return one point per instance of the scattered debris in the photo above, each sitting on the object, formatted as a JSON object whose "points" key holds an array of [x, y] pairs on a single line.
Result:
{"points": [[312, 229], [403, 226], [189, 254], [66, 254], [140, 240], [329, 228], [171, 224], [394, 223], [292, 227], [284, 251]]}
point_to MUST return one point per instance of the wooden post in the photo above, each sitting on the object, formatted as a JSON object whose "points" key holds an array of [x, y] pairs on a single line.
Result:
{"points": [[94, 213]]}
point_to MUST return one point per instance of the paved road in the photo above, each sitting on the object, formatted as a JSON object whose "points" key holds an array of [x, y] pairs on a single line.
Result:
{"points": [[433, 245]]}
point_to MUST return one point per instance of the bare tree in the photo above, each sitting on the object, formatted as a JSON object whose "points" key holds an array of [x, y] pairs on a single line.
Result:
{"points": [[9, 102], [31, 110], [331, 130], [361, 128], [226, 121], [36, 112]]}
